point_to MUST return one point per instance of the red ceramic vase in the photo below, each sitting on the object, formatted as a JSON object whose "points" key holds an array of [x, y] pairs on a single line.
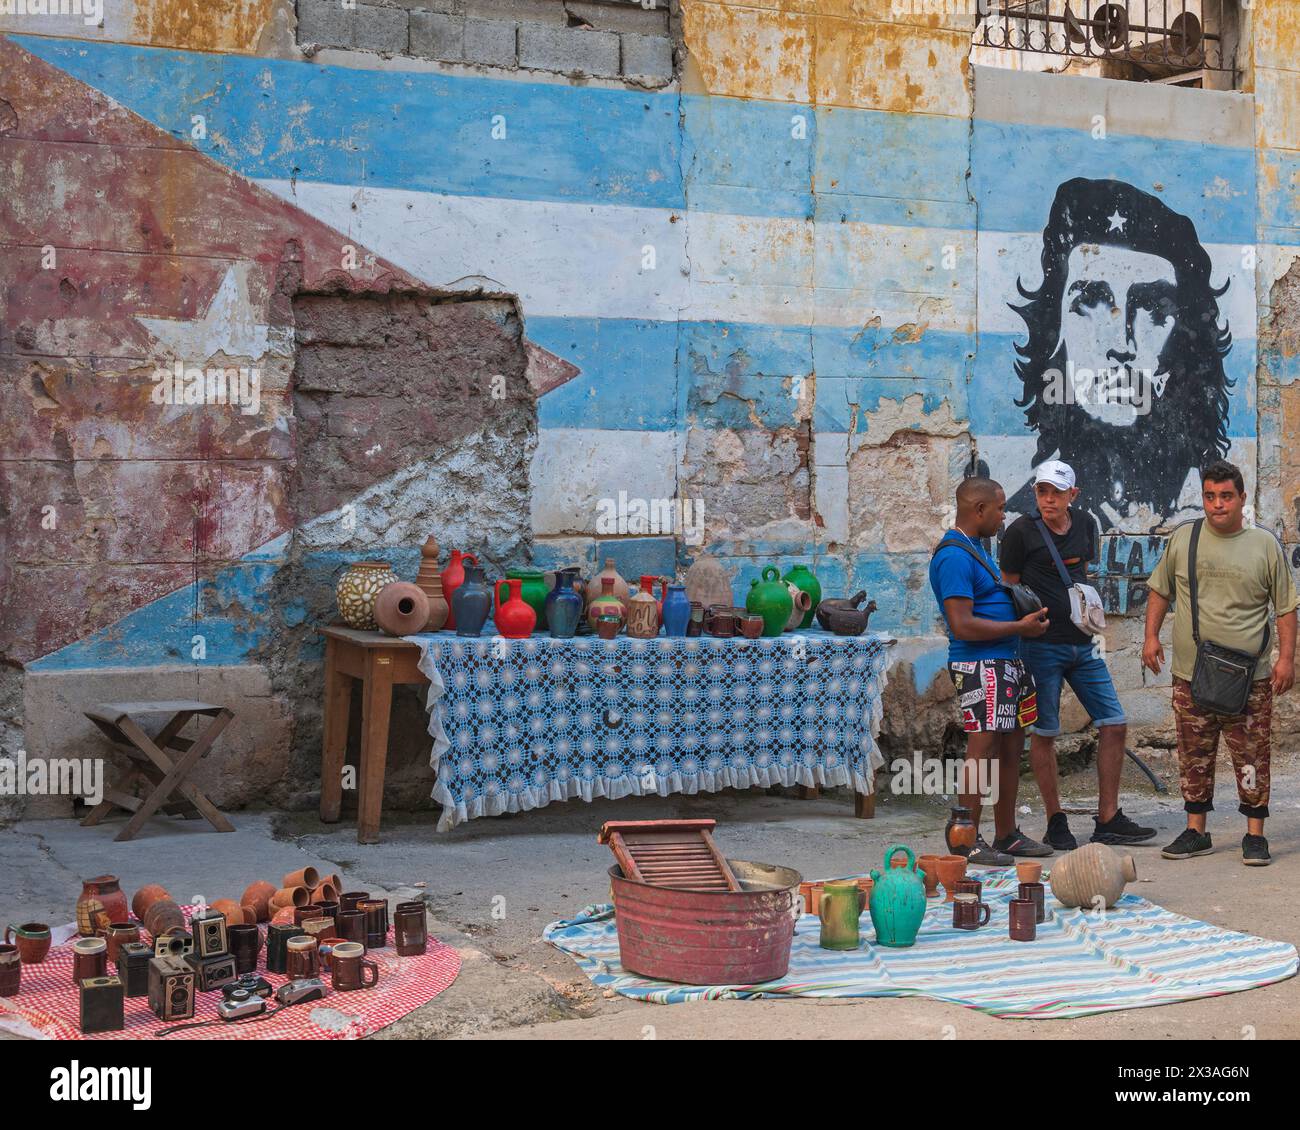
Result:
{"points": [[515, 619], [102, 902]]}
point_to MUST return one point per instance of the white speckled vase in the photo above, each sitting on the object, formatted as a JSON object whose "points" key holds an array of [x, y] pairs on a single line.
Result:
{"points": [[357, 590]]}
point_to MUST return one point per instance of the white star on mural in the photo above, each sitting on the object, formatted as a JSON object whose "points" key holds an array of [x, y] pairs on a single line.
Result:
{"points": [[1117, 221], [229, 326]]}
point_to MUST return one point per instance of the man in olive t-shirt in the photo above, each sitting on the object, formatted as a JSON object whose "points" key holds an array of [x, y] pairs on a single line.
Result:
{"points": [[1239, 572]]}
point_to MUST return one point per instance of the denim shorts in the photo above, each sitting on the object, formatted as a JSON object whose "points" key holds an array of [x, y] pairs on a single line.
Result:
{"points": [[1085, 671]]}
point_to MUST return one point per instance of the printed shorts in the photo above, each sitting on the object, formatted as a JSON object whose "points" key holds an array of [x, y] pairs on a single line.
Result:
{"points": [[1247, 738], [995, 695]]}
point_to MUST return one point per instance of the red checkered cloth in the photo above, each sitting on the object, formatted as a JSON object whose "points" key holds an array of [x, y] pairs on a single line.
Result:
{"points": [[49, 1002]]}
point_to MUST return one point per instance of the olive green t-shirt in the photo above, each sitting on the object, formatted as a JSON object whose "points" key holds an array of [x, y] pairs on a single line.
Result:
{"points": [[1236, 578]]}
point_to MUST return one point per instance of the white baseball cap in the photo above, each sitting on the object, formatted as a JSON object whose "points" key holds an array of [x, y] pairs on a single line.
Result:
{"points": [[1058, 474]]}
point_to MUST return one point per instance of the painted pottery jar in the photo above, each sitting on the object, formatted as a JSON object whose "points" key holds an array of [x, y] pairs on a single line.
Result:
{"points": [[800, 606], [515, 618], [1091, 872], [564, 604], [643, 612], [897, 901], [770, 599], [102, 903], [429, 581], [401, 609], [452, 578], [359, 588], [532, 590], [606, 603], [596, 586], [805, 579], [959, 833], [676, 610], [839, 907], [471, 603]]}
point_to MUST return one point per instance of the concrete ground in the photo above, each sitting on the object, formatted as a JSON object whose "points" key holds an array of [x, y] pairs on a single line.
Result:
{"points": [[493, 884]]}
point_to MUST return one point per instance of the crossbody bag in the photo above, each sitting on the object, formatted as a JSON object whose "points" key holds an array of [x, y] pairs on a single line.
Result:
{"points": [[1223, 676], [1086, 612], [1023, 599]]}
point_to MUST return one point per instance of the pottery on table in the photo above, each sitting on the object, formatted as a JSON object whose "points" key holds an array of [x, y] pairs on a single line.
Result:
{"points": [[842, 615], [676, 610], [1037, 894], [162, 917], [145, 897], [564, 604], [770, 598], [452, 578], [969, 886], [800, 603], [606, 603], [119, 933], [750, 625], [307, 877], [643, 611], [533, 592], [472, 603], [285, 916], [960, 831], [401, 609], [695, 625], [897, 901], [952, 869], [32, 940], [230, 910], [838, 908], [429, 581], [928, 867], [708, 583], [1028, 871], [323, 892], [258, 896], [608, 627], [1022, 918], [596, 587], [720, 621], [807, 581], [515, 618], [101, 902], [359, 588], [968, 913], [1091, 872], [290, 896]]}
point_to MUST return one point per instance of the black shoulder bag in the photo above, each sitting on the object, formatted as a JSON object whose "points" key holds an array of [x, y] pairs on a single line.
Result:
{"points": [[1023, 599], [1222, 677]]}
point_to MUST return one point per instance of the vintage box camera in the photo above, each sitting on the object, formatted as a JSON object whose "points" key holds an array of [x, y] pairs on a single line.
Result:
{"points": [[102, 1004], [171, 989], [212, 972], [133, 967], [209, 933], [175, 944]]}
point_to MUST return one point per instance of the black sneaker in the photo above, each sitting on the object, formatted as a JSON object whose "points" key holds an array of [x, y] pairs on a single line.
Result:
{"points": [[1189, 843], [1058, 834], [984, 856], [1254, 851], [1119, 829], [1016, 843]]}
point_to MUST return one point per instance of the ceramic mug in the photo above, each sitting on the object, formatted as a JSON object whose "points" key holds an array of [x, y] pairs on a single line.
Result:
{"points": [[1037, 894], [89, 959], [970, 887], [695, 625], [350, 925], [348, 967], [11, 971], [751, 627], [1022, 919], [303, 958], [410, 935], [32, 940], [968, 913], [277, 937], [117, 933], [302, 913], [244, 942], [348, 900], [376, 912]]}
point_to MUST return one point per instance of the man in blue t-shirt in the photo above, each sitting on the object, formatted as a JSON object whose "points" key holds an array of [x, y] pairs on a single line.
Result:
{"points": [[994, 690]]}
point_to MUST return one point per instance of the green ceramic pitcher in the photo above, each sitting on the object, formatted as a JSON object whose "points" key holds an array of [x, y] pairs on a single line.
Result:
{"points": [[770, 599], [897, 901], [533, 590], [841, 904]]}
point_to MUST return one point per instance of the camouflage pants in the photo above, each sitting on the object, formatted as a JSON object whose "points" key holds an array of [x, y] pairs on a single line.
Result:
{"points": [[1248, 740]]}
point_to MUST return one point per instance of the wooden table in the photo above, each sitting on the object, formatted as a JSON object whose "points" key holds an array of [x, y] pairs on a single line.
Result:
{"points": [[378, 662]]}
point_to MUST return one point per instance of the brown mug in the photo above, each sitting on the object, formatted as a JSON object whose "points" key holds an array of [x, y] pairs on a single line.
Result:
{"points": [[348, 968], [11, 971], [969, 887], [1022, 919], [89, 959], [302, 913], [410, 935], [277, 937], [322, 928], [329, 909], [695, 625], [117, 933], [350, 925], [348, 900], [607, 627], [244, 942], [1037, 894], [720, 621], [968, 913], [302, 958], [751, 627], [32, 940], [376, 912]]}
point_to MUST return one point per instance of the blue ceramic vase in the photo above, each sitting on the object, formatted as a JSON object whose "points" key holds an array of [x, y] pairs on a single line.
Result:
{"points": [[677, 610], [564, 605], [472, 602]]}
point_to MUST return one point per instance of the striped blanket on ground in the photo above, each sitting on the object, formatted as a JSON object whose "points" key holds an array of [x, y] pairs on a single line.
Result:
{"points": [[1134, 955]]}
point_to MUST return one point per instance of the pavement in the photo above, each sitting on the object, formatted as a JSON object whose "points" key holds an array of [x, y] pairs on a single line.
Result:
{"points": [[492, 885]]}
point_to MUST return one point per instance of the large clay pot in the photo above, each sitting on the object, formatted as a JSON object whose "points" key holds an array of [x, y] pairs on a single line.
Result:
{"points": [[452, 578], [596, 587], [606, 604], [801, 606], [676, 610], [430, 583], [102, 903], [230, 910], [471, 603], [145, 897], [401, 609], [804, 578], [1090, 872], [897, 901], [163, 915], [564, 605], [960, 831], [358, 589], [770, 599], [707, 583], [533, 591], [258, 896], [643, 612], [515, 618]]}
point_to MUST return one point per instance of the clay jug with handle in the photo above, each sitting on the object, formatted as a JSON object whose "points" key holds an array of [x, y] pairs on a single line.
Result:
{"points": [[839, 907], [897, 901], [452, 578]]}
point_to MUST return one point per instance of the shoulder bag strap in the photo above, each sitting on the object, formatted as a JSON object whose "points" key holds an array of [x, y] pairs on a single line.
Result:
{"points": [[1050, 542], [971, 550]]}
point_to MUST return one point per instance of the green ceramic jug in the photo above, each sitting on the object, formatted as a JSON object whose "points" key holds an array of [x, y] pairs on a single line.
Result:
{"points": [[897, 901], [533, 590], [841, 904], [804, 579], [770, 599]]}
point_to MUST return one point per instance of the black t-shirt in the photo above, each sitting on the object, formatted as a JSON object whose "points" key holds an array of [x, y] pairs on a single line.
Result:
{"points": [[1023, 551]]}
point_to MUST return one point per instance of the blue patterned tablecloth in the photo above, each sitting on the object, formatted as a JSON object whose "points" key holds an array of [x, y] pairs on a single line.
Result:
{"points": [[517, 724]]}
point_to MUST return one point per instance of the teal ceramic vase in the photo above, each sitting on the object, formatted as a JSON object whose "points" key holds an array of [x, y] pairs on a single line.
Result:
{"points": [[897, 901], [770, 599], [805, 580]]}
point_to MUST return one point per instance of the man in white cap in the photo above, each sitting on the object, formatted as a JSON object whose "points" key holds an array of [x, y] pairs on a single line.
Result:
{"points": [[1050, 551]]}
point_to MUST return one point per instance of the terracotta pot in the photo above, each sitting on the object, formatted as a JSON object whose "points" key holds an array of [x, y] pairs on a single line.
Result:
{"points": [[308, 877], [290, 896], [163, 915], [707, 583], [802, 606], [929, 864], [145, 897], [102, 902], [284, 917], [951, 868], [32, 939], [358, 589], [1028, 871], [230, 910], [336, 882], [326, 892], [258, 896], [119, 932], [812, 895], [607, 627], [401, 609], [430, 583], [1091, 872]]}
